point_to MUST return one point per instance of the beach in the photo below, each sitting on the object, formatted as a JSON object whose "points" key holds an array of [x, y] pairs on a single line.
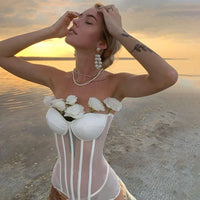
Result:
{"points": [[153, 144]]}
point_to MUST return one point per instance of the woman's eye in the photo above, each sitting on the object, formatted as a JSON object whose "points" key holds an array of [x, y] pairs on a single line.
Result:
{"points": [[88, 23]]}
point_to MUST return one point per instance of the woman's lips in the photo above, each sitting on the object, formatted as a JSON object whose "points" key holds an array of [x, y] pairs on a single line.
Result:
{"points": [[71, 30]]}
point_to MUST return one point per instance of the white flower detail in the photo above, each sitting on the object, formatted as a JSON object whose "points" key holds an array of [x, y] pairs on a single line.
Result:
{"points": [[59, 104], [76, 111], [71, 100], [95, 104], [113, 103], [48, 100]]}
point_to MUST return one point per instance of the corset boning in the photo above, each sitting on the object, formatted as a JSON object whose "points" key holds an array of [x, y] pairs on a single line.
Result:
{"points": [[81, 170]]}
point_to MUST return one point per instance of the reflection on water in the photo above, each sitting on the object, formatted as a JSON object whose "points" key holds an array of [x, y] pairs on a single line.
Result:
{"points": [[16, 93], [14, 100], [186, 75]]}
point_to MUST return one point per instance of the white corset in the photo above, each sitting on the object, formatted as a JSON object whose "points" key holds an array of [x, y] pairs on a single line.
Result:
{"points": [[81, 171], [87, 128]]}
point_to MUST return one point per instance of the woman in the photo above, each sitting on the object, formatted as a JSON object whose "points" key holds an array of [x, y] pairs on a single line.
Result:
{"points": [[81, 172]]}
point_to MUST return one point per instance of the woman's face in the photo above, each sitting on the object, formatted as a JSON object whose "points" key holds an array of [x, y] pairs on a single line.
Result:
{"points": [[86, 30]]}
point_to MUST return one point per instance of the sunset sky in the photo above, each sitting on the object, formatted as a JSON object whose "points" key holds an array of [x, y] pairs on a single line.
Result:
{"points": [[169, 27]]}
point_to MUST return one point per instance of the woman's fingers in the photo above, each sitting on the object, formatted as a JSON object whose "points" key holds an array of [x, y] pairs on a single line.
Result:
{"points": [[102, 10], [60, 27], [72, 14], [110, 7], [69, 15], [112, 18]]}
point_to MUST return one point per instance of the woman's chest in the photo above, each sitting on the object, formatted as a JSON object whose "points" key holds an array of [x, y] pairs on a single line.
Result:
{"points": [[98, 89]]}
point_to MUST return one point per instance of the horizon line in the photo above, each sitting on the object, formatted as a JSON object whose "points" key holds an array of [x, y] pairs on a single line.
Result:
{"points": [[72, 58]]}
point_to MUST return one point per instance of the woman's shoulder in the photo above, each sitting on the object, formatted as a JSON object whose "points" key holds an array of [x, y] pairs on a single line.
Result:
{"points": [[59, 78], [62, 72], [121, 75], [59, 74]]}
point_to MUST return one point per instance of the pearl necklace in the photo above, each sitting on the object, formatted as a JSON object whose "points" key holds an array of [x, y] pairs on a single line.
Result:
{"points": [[82, 74], [82, 84]]}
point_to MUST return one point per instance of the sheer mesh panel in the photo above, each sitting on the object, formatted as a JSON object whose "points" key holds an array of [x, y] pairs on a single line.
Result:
{"points": [[66, 173]]}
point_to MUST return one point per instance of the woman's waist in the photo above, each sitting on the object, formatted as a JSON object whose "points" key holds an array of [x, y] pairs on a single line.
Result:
{"points": [[66, 175], [98, 164]]}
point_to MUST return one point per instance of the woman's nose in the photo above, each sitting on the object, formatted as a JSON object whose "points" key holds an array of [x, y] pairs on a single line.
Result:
{"points": [[75, 21]]}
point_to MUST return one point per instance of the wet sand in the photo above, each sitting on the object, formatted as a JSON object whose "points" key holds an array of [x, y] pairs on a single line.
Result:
{"points": [[153, 145]]}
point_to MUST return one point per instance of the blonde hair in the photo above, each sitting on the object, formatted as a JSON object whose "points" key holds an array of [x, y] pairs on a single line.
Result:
{"points": [[113, 45]]}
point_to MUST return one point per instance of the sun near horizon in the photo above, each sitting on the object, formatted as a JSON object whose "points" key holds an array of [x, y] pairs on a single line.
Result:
{"points": [[165, 47]]}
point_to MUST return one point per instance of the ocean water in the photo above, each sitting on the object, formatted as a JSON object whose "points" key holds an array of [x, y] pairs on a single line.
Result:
{"points": [[28, 153], [14, 91]]}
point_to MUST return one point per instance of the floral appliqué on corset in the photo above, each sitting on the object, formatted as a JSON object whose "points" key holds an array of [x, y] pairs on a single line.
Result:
{"points": [[71, 110]]}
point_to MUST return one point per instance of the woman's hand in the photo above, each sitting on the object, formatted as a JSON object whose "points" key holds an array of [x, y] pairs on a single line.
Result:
{"points": [[60, 28], [112, 19]]}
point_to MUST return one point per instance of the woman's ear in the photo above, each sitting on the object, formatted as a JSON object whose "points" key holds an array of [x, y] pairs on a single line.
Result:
{"points": [[102, 44]]}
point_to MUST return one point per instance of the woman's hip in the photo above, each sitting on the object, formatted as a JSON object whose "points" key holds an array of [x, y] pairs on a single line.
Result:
{"points": [[54, 194], [124, 194]]}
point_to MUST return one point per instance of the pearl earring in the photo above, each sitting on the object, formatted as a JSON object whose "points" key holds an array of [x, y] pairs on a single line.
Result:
{"points": [[98, 62]]}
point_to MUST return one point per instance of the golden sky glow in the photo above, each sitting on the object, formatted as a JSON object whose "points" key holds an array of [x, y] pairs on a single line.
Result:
{"points": [[167, 48], [50, 48], [171, 28]]}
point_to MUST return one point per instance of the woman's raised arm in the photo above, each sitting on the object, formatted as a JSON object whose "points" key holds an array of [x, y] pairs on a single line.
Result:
{"points": [[36, 73], [160, 75]]}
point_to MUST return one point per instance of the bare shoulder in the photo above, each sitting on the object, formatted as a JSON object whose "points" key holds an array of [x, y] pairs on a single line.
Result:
{"points": [[59, 77], [121, 76], [58, 73], [117, 80]]}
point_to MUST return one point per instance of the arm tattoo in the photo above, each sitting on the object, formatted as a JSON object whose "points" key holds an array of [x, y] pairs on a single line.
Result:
{"points": [[141, 47], [125, 34], [138, 47]]}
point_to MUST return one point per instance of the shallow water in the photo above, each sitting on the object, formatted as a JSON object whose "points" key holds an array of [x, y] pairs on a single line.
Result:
{"points": [[15, 92], [153, 143]]}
